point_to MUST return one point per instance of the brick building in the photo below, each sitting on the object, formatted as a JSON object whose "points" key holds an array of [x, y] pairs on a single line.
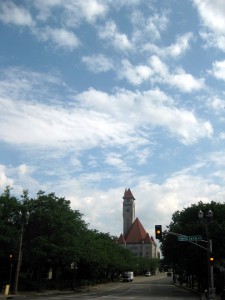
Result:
{"points": [[134, 236]]}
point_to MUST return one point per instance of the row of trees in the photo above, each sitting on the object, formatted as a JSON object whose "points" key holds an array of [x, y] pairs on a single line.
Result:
{"points": [[57, 244], [188, 258]]}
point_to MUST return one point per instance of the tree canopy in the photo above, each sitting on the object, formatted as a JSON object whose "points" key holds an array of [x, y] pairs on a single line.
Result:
{"points": [[56, 239], [183, 256]]}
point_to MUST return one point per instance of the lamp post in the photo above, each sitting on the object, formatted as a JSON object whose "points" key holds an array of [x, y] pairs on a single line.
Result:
{"points": [[23, 220], [207, 219]]}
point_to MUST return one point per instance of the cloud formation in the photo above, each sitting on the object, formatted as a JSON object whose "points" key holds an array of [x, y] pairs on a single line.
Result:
{"points": [[101, 95]]}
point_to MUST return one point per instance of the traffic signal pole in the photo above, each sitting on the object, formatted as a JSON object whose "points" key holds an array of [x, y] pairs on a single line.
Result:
{"points": [[211, 271], [210, 260]]}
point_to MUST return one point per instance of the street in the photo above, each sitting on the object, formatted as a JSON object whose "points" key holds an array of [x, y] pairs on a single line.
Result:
{"points": [[142, 288]]}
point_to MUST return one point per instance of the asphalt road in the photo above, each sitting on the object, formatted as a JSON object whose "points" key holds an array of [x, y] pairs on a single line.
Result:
{"points": [[142, 288]]}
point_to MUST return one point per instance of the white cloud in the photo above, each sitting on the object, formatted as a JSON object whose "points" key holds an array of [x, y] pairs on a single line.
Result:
{"points": [[99, 120], [213, 40], [149, 28], [54, 127], [217, 104], [177, 49], [18, 83], [157, 71], [159, 67], [93, 9], [23, 169], [98, 63], [181, 45], [218, 70], [19, 178], [212, 14], [111, 34], [222, 135], [149, 108], [160, 200], [73, 12], [118, 4], [4, 179], [61, 37], [134, 74], [142, 156], [183, 81], [175, 193], [217, 158], [94, 119], [11, 13], [116, 160]]}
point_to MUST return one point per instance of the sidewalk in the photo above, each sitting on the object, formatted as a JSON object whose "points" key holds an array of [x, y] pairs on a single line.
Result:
{"points": [[26, 295], [202, 297]]}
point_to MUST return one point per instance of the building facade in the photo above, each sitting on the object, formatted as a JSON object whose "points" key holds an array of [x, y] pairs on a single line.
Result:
{"points": [[134, 236]]}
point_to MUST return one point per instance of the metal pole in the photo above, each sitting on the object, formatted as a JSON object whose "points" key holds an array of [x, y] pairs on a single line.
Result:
{"points": [[208, 261], [212, 289], [19, 261], [10, 273]]}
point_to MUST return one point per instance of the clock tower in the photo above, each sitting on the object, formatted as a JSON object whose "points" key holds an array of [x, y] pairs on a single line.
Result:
{"points": [[128, 211]]}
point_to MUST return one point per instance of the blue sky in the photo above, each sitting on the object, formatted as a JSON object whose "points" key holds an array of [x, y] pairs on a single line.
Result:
{"points": [[101, 95]]}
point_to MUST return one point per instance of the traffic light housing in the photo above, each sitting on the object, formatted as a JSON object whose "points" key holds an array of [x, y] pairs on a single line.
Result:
{"points": [[211, 259], [158, 232]]}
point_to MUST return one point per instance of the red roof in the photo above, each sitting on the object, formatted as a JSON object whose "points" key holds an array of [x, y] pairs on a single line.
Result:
{"points": [[136, 234], [121, 239], [128, 194], [148, 240]]}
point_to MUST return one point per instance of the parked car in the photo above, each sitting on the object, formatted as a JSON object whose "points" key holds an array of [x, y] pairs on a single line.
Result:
{"points": [[147, 274]]}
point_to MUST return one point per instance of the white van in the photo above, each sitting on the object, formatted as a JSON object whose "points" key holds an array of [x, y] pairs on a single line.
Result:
{"points": [[128, 276]]}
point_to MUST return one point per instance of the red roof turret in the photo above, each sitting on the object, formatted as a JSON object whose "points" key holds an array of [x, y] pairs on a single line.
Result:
{"points": [[128, 194]]}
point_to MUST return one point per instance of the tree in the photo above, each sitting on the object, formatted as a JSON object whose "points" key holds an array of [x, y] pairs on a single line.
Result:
{"points": [[9, 208], [54, 235], [56, 238], [185, 256]]}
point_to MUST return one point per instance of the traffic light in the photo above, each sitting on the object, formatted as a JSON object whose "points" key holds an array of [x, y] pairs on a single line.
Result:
{"points": [[10, 257], [158, 232], [211, 259]]}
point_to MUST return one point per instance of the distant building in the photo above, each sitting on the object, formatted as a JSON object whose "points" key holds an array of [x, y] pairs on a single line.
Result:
{"points": [[134, 236]]}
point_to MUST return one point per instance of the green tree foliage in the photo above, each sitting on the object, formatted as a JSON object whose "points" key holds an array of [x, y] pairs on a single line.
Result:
{"points": [[9, 208], [57, 238], [143, 265], [54, 235], [185, 256]]}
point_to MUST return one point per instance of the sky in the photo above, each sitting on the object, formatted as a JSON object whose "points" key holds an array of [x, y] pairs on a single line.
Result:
{"points": [[97, 96]]}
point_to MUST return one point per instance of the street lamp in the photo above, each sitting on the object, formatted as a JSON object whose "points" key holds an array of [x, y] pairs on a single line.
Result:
{"points": [[207, 219], [23, 220]]}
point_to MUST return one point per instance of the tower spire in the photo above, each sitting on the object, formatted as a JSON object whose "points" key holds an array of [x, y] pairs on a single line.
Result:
{"points": [[128, 210]]}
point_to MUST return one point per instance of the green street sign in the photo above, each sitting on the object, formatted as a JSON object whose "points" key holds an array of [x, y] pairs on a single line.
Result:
{"points": [[182, 238], [190, 238], [195, 238]]}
